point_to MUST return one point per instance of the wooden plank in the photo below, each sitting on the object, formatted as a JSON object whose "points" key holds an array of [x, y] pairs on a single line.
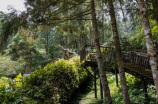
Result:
{"points": [[144, 88]]}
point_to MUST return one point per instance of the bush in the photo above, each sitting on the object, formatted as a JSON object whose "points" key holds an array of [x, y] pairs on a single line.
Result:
{"points": [[55, 82], [9, 92]]}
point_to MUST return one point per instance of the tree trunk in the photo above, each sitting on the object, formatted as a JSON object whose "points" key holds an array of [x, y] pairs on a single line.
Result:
{"points": [[46, 45], [149, 42], [90, 35], [80, 41], [119, 55], [85, 40], [123, 17], [99, 58], [66, 42], [103, 28]]}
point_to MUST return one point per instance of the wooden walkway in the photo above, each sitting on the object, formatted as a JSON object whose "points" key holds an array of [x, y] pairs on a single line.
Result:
{"points": [[136, 63]]}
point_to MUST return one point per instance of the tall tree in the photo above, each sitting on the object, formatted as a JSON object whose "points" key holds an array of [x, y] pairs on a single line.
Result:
{"points": [[90, 35], [149, 43], [9, 24], [124, 18], [22, 46], [99, 57], [118, 52]]}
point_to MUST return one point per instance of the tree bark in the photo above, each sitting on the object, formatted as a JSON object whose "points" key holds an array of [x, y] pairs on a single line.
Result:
{"points": [[99, 58], [124, 17], [90, 35], [149, 43], [46, 45], [66, 42], [103, 28], [119, 55]]}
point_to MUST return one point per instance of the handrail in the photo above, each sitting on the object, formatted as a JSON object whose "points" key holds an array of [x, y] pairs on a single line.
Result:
{"points": [[93, 46], [89, 50], [135, 61]]}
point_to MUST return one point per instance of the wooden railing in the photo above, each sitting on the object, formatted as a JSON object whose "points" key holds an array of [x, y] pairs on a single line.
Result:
{"points": [[141, 60], [137, 62], [134, 61], [88, 53]]}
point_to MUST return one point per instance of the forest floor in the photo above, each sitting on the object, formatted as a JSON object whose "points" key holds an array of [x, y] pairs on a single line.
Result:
{"points": [[86, 95]]}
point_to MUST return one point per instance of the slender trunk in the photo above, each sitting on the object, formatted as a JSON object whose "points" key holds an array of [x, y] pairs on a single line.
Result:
{"points": [[80, 41], [149, 42], [28, 67], [119, 55], [83, 38], [90, 35], [76, 44], [103, 28], [85, 41], [46, 45], [76, 47], [100, 61], [66, 42], [124, 17], [30, 63]]}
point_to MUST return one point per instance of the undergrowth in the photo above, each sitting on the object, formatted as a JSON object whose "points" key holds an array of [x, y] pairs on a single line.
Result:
{"points": [[65, 82], [51, 85], [134, 88]]}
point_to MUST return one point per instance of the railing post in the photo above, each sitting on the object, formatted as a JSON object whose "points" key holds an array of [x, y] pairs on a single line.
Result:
{"points": [[144, 88], [101, 90], [95, 84], [95, 80]]}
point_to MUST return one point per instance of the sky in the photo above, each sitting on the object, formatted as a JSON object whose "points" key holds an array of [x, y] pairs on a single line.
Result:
{"points": [[17, 4]]}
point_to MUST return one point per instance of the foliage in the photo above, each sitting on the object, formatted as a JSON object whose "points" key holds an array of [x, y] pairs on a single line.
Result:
{"points": [[20, 47], [9, 67], [55, 82], [23, 48], [67, 18], [9, 91], [134, 88], [54, 51], [9, 24], [52, 84]]}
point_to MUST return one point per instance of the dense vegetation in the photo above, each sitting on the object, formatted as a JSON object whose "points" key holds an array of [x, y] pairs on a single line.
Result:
{"points": [[53, 84], [86, 95], [30, 39]]}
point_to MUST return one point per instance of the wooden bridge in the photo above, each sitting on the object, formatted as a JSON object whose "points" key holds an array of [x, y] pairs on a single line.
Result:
{"points": [[135, 62]]}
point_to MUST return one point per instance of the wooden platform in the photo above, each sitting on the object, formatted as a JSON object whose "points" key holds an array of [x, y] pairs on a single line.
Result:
{"points": [[135, 63]]}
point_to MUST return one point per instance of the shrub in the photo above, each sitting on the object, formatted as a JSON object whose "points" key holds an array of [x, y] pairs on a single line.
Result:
{"points": [[55, 82]]}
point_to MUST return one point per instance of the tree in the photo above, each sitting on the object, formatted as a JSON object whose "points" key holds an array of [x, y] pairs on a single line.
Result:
{"points": [[149, 43], [152, 6], [9, 24], [22, 47], [119, 55], [99, 57]]}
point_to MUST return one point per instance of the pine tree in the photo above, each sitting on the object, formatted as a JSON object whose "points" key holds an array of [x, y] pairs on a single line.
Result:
{"points": [[99, 57], [119, 55]]}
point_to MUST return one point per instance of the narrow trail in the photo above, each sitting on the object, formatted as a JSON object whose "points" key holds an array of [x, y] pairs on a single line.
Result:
{"points": [[85, 94]]}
